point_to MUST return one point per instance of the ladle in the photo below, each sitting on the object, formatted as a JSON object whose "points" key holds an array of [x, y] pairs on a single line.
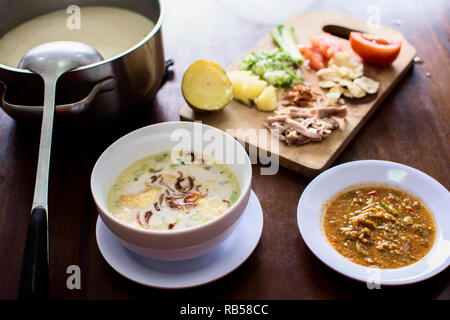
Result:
{"points": [[50, 61]]}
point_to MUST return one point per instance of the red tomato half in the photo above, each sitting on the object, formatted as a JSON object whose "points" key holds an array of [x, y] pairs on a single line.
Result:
{"points": [[373, 49]]}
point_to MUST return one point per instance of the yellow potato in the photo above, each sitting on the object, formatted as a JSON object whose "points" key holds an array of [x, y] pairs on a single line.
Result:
{"points": [[267, 100], [246, 86], [252, 89], [238, 79], [206, 86]]}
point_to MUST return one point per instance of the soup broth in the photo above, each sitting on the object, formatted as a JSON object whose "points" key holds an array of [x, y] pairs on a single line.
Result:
{"points": [[109, 30], [171, 192], [379, 226]]}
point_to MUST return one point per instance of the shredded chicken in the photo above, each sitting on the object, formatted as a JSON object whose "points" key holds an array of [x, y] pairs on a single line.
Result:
{"points": [[297, 126]]}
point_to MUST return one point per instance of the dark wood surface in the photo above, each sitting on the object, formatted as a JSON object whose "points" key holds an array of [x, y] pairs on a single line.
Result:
{"points": [[411, 127]]}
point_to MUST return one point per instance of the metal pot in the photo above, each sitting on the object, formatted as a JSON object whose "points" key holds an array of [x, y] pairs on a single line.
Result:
{"points": [[93, 94]]}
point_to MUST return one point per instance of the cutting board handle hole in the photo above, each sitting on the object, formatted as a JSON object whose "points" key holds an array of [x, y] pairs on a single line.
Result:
{"points": [[338, 31]]}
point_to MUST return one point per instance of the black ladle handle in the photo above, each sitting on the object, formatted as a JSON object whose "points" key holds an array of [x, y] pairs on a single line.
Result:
{"points": [[34, 276]]}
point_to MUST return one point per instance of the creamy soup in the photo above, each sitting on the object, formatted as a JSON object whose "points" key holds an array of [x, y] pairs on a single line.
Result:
{"points": [[109, 30], [168, 191]]}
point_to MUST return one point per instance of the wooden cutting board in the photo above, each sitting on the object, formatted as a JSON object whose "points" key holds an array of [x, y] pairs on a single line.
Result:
{"points": [[313, 158]]}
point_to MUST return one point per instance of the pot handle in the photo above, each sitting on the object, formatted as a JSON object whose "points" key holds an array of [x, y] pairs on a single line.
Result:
{"points": [[168, 73], [64, 109]]}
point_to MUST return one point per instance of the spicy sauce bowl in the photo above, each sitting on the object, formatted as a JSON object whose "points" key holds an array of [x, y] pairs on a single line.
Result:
{"points": [[311, 209], [171, 244]]}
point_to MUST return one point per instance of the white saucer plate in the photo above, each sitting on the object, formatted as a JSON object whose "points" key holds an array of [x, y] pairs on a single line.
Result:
{"points": [[436, 197], [211, 266]]}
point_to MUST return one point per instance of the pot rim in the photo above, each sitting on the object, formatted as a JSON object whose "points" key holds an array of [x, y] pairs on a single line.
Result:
{"points": [[150, 35]]}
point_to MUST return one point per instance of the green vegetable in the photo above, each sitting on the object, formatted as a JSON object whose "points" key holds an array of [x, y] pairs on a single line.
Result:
{"points": [[279, 78], [389, 208], [234, 196], [274, 66], [116, 187], [162, 157], [162, 226], [286, 41], [137, 174]]}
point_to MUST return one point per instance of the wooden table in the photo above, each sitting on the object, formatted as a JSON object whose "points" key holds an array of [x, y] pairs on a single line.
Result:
{"points": [[411, 127]]}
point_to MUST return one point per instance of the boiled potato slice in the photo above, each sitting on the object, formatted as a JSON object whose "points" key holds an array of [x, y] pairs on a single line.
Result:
{"points": [[246, 86], [238, 79], [251, 90], [206, 86], [267, 100]]}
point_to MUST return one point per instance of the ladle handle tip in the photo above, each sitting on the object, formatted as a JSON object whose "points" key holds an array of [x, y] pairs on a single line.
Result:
{"points": [[34, 278]]}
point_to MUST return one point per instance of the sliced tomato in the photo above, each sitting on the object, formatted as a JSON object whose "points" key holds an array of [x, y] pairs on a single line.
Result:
{"points": [[320, 50], [373, 49], [328, 44], [314, 55]]}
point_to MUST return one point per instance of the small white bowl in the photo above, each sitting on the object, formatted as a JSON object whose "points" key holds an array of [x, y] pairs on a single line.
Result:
{"points": [[170, 244], [310, 213]]}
